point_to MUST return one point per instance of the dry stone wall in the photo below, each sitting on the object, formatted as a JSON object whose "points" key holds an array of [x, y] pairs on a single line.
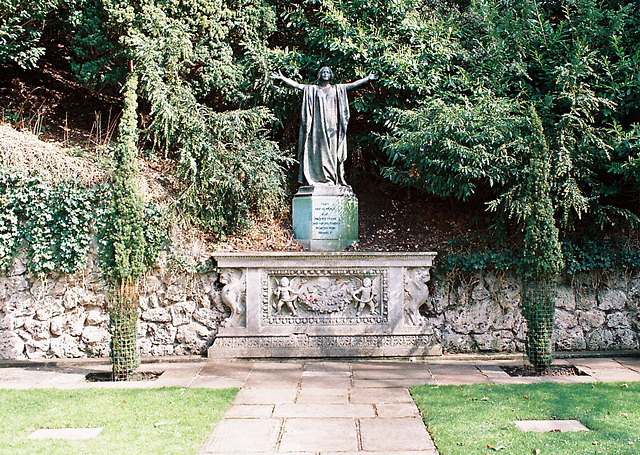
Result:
{"points": [[66, 316], [594, 312], [180, 314]]}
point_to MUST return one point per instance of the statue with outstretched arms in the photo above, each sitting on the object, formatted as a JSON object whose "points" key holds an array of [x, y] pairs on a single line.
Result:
{"points": [[322, 143]]}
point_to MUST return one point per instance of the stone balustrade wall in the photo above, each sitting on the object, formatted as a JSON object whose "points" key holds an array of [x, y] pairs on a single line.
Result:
{"points": [[180, 314]]}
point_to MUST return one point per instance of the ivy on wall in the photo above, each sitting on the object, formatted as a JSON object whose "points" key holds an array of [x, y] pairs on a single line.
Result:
{"points": [[50, 224], [54, 225]]}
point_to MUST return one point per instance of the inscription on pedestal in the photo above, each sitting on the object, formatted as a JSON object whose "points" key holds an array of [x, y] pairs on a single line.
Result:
{"points": [[325, 220], [325, 223]]}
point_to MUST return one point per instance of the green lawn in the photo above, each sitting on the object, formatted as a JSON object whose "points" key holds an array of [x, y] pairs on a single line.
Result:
{"points": [[134, 421], [478, 419]]}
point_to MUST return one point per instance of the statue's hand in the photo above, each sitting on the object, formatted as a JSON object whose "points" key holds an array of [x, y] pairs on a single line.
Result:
{"points": [[277, 75], [373, 76]]}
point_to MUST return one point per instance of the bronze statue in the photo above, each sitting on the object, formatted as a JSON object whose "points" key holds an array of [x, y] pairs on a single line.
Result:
{"points": [[322, 146]]}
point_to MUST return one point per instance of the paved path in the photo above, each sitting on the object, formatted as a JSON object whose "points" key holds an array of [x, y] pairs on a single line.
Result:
{"points": [[325, 408], [317, 407]]}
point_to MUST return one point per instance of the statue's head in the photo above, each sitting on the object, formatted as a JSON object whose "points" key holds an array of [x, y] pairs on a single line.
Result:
{"points": [[366, 282], [325, 74], [284, 281]]}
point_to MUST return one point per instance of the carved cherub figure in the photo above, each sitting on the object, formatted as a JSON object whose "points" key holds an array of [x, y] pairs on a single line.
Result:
{"points": [[286, 296], [367, 297]]}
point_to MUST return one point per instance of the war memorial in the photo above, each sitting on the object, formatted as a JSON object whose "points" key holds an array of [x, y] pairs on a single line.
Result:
{"points": [[324, 302]]}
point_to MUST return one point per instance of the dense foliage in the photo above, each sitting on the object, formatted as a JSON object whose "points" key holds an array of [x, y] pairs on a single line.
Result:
{"points": [[123, 240], [450, 114], [577, 62], [193, 60], [48, 224], [22, 23]]}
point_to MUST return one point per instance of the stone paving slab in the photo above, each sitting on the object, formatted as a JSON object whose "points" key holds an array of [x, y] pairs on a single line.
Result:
{"points": [[227, 369], [395, 373], [397, 410], [271, 366], [395, 434], [266, 396], [325, 374], [65, 433], [275, 374], [172, 367], [244, 435], [606, 370], [629, 362], [211, 382], [318, 435], [249, 411], [272, 383], [63, 380], [389, 365], [324, 410], [315, 382], [456, 374], [323, 399], [386, 395], [271, 375], [311, 391], [390, 383], [327, 366], [544, 426]]}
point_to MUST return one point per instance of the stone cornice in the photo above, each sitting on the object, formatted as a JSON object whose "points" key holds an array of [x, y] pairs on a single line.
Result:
{"points": [[306, 259]]}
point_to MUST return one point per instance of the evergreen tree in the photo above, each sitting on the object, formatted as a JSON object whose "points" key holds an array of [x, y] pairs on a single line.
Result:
{"points": [[123, 255], [541, 254]]}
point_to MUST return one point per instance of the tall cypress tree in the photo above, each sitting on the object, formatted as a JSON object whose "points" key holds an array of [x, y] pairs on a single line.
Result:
{"points": [[542, 255], [125, 244]]}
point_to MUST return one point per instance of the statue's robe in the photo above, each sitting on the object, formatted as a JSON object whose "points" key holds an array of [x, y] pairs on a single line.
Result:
{"points": [[322, 145]]}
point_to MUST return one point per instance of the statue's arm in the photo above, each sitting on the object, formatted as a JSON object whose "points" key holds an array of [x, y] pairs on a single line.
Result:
{"points": [[359, 82], [277, 75]]}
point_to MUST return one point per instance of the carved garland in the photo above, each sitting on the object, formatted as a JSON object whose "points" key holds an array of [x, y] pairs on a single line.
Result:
{"points": [[337, 302]]}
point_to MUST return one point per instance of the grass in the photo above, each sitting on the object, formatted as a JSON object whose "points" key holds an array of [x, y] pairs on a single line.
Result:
{"points": [[478, 419], [134, 421]]}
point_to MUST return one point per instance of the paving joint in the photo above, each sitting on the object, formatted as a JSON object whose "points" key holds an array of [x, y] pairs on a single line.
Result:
{"points": [[359, 435]]}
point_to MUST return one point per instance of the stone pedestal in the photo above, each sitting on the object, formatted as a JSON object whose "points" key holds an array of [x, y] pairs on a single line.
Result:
{"points": [[325, 218], [344, 304]]}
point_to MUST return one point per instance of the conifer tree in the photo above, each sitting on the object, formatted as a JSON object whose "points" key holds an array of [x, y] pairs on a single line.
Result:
{"points": [[124, 249], [542, 255]]}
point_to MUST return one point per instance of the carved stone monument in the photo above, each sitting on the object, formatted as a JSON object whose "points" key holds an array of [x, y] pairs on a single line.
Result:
{"points": [[325, 305]]}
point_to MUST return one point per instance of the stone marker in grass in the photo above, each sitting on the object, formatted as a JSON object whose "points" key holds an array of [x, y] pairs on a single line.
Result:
{"points": [[65, 433], [544, 426]]}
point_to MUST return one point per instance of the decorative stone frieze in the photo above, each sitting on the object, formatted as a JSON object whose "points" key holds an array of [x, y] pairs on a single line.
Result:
{"points": [[327, 304]]}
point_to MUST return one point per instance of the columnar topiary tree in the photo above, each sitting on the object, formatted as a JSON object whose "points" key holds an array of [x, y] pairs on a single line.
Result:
{"points": [[124, 242], [542, 255]]}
